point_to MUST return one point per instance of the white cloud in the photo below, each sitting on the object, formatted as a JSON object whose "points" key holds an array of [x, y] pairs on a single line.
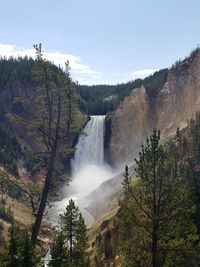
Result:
{"points": [[138, 74], [143, 73], [57, 58], [82, 73]]}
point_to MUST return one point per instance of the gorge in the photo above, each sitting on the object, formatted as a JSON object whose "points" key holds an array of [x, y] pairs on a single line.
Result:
{"points": [[168, 100], [89, 170]]}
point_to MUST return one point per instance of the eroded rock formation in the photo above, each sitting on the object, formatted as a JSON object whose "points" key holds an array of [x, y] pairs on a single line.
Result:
{"points": [[175, 104]]}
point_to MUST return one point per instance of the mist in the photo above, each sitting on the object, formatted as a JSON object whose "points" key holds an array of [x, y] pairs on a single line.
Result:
{"points": [[84, 182], [89, 178], [89, 171]]}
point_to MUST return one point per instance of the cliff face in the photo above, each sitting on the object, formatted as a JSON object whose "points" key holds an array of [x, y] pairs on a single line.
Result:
{"points": [[176, 103]]}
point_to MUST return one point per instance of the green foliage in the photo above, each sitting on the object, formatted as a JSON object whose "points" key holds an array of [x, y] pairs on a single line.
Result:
{"points": [[100, 99], [71, 244], [8, 188], [155, 82], [156, 225], [59, 252], [10, 149], [28, 257], [184, 63], [1, 233], [33, 163], [58, 179], [81, 257], [53, 122], [1, 226], [19, 251], [6, 214], [186, 149], [16, 72], [96, 99], [69, 226], [14, 191]]}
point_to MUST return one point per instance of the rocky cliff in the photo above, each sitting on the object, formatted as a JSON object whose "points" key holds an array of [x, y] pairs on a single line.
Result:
{"points": [[175, 104]]}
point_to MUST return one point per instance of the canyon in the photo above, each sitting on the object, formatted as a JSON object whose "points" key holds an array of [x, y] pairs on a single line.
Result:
{"points": [[137, 115]]}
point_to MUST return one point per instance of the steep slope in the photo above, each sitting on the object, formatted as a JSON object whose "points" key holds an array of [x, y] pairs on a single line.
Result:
{"points": [[177, 102], [18, 89]]}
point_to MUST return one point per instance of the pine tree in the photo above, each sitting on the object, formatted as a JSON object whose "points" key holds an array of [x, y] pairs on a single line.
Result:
{"points": [[69, 226], [156, 225], [70, 246], [13, 257], [81, 244], [20, 252], [28, 257], [59, 252], [52, 122]]}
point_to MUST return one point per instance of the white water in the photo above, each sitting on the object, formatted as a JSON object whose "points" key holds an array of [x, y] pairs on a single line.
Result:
{"points": [[88, 170]]}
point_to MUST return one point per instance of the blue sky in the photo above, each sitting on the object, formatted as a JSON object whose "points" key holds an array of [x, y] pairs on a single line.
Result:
{"points": [[106, 41]]}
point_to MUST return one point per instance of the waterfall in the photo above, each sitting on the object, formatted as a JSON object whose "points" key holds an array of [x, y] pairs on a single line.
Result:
{"points": [[90, 148], [88, 170]]}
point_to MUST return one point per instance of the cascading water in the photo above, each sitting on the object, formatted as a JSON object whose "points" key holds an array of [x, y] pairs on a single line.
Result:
{"points": [[90, 148], [88, 170]]}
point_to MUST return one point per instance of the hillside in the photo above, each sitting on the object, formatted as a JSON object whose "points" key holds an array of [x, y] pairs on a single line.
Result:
{"points": [[167, 100], [114, 233], [100, 99], [18, 87], [174, 104], [24, 152]]}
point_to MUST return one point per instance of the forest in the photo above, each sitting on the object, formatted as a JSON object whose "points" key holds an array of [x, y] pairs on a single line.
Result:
{"points": [[92, 100], [158, 220], [100, 99]]}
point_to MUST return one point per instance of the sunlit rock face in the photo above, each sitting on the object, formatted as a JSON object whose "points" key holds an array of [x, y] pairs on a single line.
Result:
{"points": [[176, 103]]}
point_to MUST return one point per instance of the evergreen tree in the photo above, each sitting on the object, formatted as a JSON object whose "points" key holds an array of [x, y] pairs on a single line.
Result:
{"points": [[59, 252], [157, 229], [70, 246], [13, 257], [69, 226], [28, 257], [52, 122], [81, 244], [20, 251]]}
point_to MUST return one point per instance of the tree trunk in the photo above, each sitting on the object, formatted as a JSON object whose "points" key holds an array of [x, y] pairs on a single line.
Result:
{"points": [[154, 246], [43, 201]]}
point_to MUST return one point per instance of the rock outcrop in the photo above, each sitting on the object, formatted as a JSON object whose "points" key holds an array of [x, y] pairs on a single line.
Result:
{"points": [[175, 104]]}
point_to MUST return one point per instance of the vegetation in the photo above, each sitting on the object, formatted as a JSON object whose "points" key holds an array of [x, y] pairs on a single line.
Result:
{"points": [[10, 149], [186, 149], [52, 121], [157, 226], [7, 188], [71, 244], [159, 218], [6, 214], [16, 72], [19, 252], [100, 99], [96, 99], [184, 63]]}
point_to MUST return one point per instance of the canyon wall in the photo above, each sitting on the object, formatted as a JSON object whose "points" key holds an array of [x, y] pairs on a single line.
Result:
{"points": [[175, 104]]}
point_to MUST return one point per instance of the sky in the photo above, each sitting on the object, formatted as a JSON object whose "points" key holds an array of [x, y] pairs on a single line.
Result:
{"points": [[105, 41]]}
